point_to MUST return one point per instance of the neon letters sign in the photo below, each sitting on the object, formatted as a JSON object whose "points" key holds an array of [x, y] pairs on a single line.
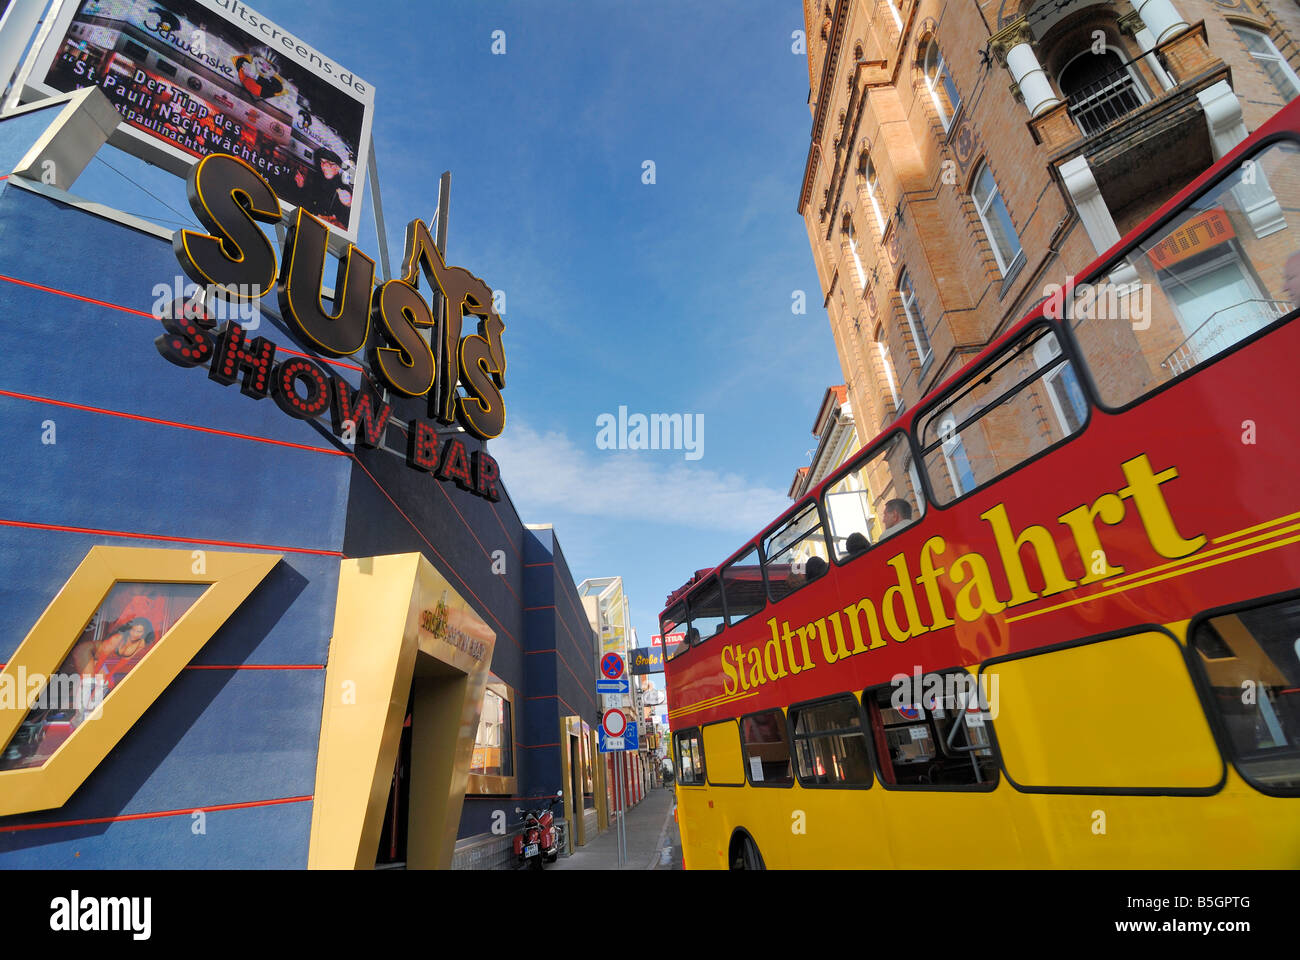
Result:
{"points": [[236, 260]]}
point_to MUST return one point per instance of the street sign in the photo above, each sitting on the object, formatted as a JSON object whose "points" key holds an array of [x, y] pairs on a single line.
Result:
{"points": [[621, 685], [608, 744], [614, 722], [611, 665], [630, 738]]}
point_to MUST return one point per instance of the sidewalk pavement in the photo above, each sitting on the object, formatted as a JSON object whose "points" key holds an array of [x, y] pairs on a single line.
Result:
{"points": [[650, 829]]}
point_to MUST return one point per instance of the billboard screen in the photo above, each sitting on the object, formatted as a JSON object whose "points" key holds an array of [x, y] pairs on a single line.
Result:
{"points": [[211, 76]]}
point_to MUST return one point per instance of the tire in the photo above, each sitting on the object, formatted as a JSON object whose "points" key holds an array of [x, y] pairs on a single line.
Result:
{"points": [[535, 863], [746, 856]]}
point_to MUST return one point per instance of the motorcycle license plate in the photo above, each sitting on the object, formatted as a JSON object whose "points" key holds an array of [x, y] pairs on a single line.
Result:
{"points": [[530, 850]]}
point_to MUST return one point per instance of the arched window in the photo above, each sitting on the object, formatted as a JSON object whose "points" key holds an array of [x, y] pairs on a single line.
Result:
{"points": [[871, 185], [1270, 60], [1100, 88], [915, 318], [993, 215], [851, 235], [938, 80]]}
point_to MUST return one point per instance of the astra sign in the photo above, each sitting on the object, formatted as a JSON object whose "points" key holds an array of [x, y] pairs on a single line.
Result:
{"points": [[236, 260]]}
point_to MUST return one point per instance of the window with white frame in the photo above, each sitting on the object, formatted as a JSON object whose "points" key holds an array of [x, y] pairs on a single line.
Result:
{"points": [[954, 457], [871, 184], [938, 80], [996, 221], [915, 318], [882, 349], [1266, 54], [853, 249], [1062, 385]]}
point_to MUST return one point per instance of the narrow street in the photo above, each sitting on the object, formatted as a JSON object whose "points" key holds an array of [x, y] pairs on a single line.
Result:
{"points": [[652, 840]]}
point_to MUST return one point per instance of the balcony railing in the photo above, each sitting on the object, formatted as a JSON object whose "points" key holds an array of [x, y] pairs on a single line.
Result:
{"points": [[1222, 329], [1107, 100]]}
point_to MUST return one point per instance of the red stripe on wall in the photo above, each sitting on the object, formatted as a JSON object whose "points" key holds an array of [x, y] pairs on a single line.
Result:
{"points": [[158, 536], [255, 666], [150, 316], [172, 423], [419, 534], [152, 816]]}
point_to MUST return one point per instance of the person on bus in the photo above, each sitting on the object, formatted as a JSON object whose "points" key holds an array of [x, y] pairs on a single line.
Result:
{"points": [[896, 515], [1291, 277]]}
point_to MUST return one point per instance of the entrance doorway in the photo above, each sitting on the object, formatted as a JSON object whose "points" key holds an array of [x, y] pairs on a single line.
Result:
{"points": [[391, 854]]}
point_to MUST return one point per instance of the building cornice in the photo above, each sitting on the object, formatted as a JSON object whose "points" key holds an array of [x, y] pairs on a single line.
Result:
{"points": [[838, 23]]}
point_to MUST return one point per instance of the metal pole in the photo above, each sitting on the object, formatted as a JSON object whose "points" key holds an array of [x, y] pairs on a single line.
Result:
{"points": [[380, 230], [16, 26], [622, 820], [618, 809]]}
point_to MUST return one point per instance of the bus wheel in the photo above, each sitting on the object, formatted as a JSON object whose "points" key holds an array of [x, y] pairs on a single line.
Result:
{"points": [[745, 855]]}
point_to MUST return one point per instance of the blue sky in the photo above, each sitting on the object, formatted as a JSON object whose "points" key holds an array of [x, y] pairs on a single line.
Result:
{"points": [[673, 297]]}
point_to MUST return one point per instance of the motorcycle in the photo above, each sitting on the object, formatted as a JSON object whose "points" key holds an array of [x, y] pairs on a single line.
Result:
{"points": [[538, 840]]}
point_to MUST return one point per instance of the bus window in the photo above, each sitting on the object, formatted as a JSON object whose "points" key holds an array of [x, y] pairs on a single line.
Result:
{"points": [[742, 582], [875, 499], [1069, 718], [767, 749], [829, 746], [1256, 650], [722, 740], [1226, 267], [795, 554], [942, 742], [1026, 400], [690, 757], [674, 621], [705, 607]]}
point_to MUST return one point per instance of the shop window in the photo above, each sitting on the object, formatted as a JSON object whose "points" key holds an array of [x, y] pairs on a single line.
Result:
{"points": [[127, 626], [875, 499], [690, 757], [915, 318], [1225, 268], [830, 747], [767, 749], [1269, 59], [493, 747], [987, 426], [742, 582], [939, 83], [992, 211], [937, 736], [722, 743], [1256, 650], [795, 554], [1068, 718]]}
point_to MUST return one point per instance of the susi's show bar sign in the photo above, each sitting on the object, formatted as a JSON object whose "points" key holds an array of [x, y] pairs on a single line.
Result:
{"points": [[237, 261]]}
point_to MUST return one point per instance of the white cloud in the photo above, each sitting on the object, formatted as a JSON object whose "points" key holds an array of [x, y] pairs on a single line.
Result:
{"points": [[545, 472]]}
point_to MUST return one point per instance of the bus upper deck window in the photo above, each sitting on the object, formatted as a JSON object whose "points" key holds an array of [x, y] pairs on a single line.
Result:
{"points": [[742, 582], [795, 554], [875, 499], [1226, 267], [705, 608], [674, 622], [1024, 401]]}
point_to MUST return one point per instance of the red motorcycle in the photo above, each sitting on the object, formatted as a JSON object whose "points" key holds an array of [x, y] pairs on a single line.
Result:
{"points": [[538, 841]]}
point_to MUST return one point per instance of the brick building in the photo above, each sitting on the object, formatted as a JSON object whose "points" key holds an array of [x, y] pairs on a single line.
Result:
{"points": [[965, 157]]}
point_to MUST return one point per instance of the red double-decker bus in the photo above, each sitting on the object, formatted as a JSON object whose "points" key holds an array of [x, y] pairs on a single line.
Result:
{"points": [[1051, 616]]}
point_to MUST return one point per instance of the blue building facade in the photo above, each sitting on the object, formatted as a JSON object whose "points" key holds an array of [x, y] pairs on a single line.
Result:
{"points": [[109, 443]]}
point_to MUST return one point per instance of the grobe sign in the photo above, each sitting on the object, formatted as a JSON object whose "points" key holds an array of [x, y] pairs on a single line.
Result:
{"points": [[237, 261]]}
